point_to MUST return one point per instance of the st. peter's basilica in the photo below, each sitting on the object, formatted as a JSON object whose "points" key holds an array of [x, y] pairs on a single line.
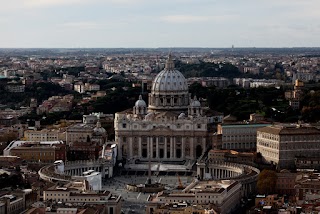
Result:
{"points": [[172, 128]]}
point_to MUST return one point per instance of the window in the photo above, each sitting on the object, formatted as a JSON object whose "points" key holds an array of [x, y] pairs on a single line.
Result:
{"points": [[124, 125]]}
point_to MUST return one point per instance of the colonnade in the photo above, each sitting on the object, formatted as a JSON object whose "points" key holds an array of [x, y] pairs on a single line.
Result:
{"points": [[77, 168], [245, 174], [81, 170], [218, 172], [222, 173], [161, 147]]}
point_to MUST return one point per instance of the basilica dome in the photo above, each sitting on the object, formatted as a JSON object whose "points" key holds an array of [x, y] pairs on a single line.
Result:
{"points": [[169, 89], [169, 80], [99, 130], [140, 102], [195, 102]]}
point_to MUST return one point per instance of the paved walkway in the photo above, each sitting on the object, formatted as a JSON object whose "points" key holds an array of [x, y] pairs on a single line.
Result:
{"points": [[135, 200]]}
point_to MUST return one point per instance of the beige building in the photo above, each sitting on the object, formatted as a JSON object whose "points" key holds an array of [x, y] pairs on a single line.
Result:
{"points": [[295, 96], [183, 208], [12, 204], [171, 128], [40, 152], [44, 135], [280, 144], [82, 88], [307, 188], [77, 192], [231, 156], [86, 132], [224, 195], [239, 136]]}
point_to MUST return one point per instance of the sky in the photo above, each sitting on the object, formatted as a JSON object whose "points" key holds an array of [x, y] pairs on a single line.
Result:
{"points": [[159, 23]]}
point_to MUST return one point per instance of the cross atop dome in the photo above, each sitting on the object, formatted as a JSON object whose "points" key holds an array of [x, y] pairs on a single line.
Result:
{"points": [[169, 63]]}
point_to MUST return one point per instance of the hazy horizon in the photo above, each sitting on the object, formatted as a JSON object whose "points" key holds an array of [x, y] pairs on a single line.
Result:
{"points": [[156, 24]]}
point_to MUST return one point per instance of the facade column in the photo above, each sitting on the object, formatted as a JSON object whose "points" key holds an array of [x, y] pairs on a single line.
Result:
{"points": [[151, 147], [174, 148], [204, 148], [129, 152], [165, 148], [171, 147], [157, 147], [183, 145], [148, 148], [191, 147], [140, 147], [119, 148]]}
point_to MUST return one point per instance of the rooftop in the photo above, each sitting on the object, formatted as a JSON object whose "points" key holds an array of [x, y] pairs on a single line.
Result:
{"points": [[290, 129]]}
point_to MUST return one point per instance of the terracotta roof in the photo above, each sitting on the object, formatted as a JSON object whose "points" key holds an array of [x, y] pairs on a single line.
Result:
{"points": [[36, 211], [291, 130]]}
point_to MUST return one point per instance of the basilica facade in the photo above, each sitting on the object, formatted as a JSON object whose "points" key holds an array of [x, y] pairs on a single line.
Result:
{"points": [[171, 128]]}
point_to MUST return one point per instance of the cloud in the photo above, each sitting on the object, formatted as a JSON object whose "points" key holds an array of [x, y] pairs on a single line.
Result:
{"points": [[51, 3], [36, 4], [82, 25], [192, 18]]}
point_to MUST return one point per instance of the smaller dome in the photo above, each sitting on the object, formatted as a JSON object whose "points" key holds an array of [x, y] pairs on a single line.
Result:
{"points": [[195, 102], [99, 129], [140, 102], [181, 116]]}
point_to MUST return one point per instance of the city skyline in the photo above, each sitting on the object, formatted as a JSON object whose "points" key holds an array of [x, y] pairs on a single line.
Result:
{"points": [[152, 24]]}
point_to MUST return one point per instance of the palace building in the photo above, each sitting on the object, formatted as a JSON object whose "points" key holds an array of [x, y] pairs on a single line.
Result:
{"points": [[171, 128], [282, 144]]}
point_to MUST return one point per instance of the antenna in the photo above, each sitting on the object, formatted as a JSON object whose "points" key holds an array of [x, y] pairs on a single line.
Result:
{"points": [[142, 86]]}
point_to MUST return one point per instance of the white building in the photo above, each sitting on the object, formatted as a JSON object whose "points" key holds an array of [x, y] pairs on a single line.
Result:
{"points": [[15, 88], [14, 144], [79, 87]]}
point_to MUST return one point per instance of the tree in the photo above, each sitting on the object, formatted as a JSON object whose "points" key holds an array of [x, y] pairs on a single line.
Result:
{"points": [[267, 180]]}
